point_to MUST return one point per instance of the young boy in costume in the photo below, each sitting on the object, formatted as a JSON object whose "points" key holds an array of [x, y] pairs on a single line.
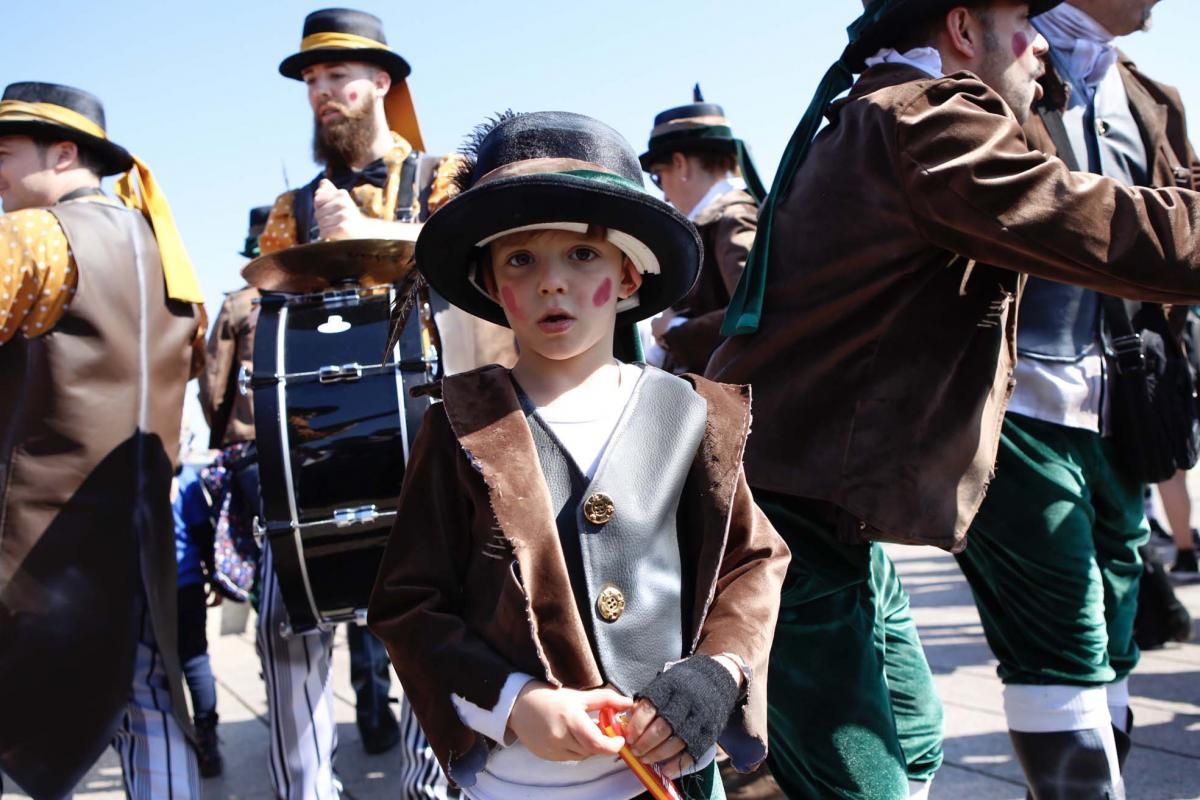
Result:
{"points": [[575, 533]]}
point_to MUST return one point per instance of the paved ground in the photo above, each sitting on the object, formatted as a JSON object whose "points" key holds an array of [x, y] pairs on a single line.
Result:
{"points": [[1165, 762]]}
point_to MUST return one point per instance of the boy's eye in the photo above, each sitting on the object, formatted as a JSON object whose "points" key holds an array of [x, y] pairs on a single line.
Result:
{"points": [[519, 260], [584, 254]]}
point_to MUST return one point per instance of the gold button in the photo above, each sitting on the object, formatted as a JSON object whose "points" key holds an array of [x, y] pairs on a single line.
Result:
{"points": [[598, 509], [611, 603]]}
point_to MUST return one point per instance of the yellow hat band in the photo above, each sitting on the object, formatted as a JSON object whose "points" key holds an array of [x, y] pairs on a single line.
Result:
{"points": [[339, 41], [21, 111]]}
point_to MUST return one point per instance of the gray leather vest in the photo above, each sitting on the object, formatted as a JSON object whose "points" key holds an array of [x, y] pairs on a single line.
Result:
{"points": [[1061, 322], [623, 556]]}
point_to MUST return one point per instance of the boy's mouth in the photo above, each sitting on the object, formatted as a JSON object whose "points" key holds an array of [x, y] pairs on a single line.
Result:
{"points": [[555, 321]]}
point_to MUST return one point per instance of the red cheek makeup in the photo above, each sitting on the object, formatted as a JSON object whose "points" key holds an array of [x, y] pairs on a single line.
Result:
{"points": [[603, 293]]}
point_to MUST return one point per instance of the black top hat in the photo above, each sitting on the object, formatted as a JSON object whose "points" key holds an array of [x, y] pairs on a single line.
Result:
{"points": [[884, 22], [342, 34], [548, 168], [258, 223], [50, 110]]}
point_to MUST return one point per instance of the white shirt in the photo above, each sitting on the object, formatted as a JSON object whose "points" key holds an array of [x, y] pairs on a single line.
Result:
{"points": [[926, 59]]}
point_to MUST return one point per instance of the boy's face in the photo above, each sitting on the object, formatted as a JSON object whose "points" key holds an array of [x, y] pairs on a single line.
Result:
{"points": [[559, 290]]}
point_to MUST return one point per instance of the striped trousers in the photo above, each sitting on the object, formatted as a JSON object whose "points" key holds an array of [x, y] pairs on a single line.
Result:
{"points": [[301, 711], [157, 760]]}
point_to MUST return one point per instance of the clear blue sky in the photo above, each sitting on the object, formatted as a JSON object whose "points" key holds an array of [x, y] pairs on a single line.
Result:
{"points": [[193, 88]]}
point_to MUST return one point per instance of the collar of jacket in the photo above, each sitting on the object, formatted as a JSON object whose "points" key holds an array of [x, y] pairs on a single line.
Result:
{"points": [[489, 423], [1146, 102], [713, 211]]}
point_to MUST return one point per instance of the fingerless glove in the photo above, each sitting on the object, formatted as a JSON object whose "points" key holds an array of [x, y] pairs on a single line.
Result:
{"points": [[697, 697]]}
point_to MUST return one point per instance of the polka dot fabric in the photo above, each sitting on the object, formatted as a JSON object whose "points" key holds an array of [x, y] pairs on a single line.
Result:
{"points": [[280, 230], [37, 273]]}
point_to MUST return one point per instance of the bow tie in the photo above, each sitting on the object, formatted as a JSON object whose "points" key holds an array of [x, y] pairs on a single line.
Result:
{"points": [[347, 178]]}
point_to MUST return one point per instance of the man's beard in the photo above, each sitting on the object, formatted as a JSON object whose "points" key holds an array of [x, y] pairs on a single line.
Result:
{"points": [[345, 141]]}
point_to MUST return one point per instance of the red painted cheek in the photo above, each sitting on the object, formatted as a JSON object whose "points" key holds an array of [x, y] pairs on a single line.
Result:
{"points": [[510, 303], [1020, 43], [603, 293], [354, 95]]}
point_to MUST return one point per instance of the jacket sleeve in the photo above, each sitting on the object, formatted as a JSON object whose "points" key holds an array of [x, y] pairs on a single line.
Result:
{"points": [[741, 618], [220, 360], [280, 231], [978, 190], [416, 607], [692, 343], [38, 271]]}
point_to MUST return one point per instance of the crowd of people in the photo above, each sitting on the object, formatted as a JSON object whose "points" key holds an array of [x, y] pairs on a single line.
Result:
{"points": [[961, 311]]}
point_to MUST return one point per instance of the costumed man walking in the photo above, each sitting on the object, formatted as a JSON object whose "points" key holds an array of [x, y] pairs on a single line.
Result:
{"points": [[706, 173], [1053, 558], [875, 321], [100, 324], [367, 138]]}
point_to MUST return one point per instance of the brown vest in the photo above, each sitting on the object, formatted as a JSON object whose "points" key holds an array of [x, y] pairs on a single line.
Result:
{"points": [[89, 429]]}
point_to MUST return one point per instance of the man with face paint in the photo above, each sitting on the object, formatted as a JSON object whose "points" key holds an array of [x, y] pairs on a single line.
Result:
{"points": [[368, 141], [1053, 558], [875, 321]]}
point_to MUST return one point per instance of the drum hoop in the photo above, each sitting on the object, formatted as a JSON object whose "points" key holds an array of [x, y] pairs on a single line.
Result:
{"points": [[401, 405], [281, 390]]}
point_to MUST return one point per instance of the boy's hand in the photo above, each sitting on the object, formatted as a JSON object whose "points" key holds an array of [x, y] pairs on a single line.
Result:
{"points": [[653, 741], [554, 723], [681, 712]]}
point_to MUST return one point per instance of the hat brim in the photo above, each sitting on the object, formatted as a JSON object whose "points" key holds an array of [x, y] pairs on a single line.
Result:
{"points": [[112, 158], [294, 65], [446, 251], [657, 153], [892, 26]]}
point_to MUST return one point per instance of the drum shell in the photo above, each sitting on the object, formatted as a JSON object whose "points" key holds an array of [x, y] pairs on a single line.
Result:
{"points": [[332, 453]]}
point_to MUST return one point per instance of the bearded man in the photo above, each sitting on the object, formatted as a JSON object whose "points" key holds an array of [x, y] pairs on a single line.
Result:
{"points": [[366, 137]]}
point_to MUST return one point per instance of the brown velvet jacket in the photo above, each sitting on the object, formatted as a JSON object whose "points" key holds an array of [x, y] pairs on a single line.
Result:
{"points": [[474, 585], [228, 412], [883, 364], [727, 229]]}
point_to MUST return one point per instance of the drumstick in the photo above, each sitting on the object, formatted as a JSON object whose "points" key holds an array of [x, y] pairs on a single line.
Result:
{"points": [[658, 785]]}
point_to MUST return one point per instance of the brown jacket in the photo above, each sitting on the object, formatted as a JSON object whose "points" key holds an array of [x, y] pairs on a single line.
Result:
{"points": [[89, 425], [884, 362], [228, 412], [727, 229], [474, 584]]}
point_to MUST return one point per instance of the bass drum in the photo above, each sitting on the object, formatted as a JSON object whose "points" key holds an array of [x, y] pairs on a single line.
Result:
{"points": [[334, 424]]}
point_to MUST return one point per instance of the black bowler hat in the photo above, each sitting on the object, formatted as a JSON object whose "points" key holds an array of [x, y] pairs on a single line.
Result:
{"points": [[885, 22], [258, 223], [699, 127], [563, 171], [50, 110]]}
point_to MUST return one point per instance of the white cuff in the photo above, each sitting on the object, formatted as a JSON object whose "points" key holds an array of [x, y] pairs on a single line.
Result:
{"points": [[493, 723]]}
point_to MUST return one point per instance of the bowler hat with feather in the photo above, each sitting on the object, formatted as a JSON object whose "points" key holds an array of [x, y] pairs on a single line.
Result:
{"points": [[556, 170]]}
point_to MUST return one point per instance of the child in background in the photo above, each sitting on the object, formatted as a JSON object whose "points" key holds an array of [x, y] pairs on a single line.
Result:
{"points": [[193, 539]]}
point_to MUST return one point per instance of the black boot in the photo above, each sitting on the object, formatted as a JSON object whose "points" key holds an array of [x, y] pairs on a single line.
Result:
{"points": [[1123, 735], [208, 755], [1065, 765]]}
